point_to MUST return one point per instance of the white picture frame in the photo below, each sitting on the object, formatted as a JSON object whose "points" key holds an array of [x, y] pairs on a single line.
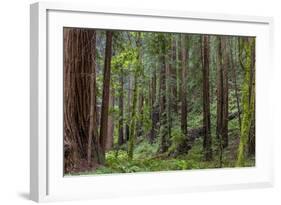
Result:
{"points": [[47, 182]]}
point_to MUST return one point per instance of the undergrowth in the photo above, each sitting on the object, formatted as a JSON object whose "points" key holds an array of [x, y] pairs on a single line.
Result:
{"points": [[146, 159]]}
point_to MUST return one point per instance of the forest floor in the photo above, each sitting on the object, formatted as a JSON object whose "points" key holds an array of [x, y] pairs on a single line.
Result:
{"points": [[147, 159]]}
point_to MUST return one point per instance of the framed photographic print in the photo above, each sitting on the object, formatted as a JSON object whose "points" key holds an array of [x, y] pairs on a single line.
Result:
{"points": [[128, 101]]}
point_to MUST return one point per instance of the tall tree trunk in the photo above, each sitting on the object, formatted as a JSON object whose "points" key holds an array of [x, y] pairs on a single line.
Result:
{"points": [[121, 110], [132, 130], [179, 69], [79, 101], [225, 64], [169, 89], [173, 83], [251, 138], [248, 97], [93, 143], [219, 90], [235, 86], [139, 130], [154, 114], [222, 92], [207, 142], [127, 128], [162, 95], [105, 93], [141, 97], [132, 136], [184, 55], [110, 126], [219, 101]]}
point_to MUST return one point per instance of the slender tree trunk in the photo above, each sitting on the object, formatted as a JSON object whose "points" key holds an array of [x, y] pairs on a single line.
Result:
{"points": [[174, 93], [93, 135], [184, 55], [219, 101], [121, 110], [222, 92], [141, 97], [225, 64], [169, 90], [105, 94], [235, 86], [179, 69], [132, 136], [163, 100], [207, 142], [110, 126], [154, 113], [219, 90], [127, 128], [251, 138], [139, 130]]}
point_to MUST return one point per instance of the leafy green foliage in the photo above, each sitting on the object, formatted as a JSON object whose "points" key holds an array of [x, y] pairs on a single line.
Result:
{"points": [[138, 60], [176, 137], [146, 159]]}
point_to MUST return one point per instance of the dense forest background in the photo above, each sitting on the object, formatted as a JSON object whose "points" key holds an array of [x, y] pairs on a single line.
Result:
{"points": [[146, 101]]}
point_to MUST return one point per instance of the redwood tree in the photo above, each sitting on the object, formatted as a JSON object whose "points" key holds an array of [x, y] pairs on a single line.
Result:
{"points": [[222, 92], [105, 93], [207, 142], [162, 95], [93, 135], [80, 137]]}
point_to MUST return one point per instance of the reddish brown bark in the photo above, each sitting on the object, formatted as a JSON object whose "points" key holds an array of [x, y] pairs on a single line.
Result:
{"points": [[222, 92], [105, 93], [79, 104], [207, 141], [93, 135], [219, 90]]}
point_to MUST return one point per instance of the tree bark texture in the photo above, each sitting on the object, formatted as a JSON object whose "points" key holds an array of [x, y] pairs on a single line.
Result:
{"points": [[222, 92], [184, 56], [79, 98], [248, 96], [207, 141], [105, 93]]}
